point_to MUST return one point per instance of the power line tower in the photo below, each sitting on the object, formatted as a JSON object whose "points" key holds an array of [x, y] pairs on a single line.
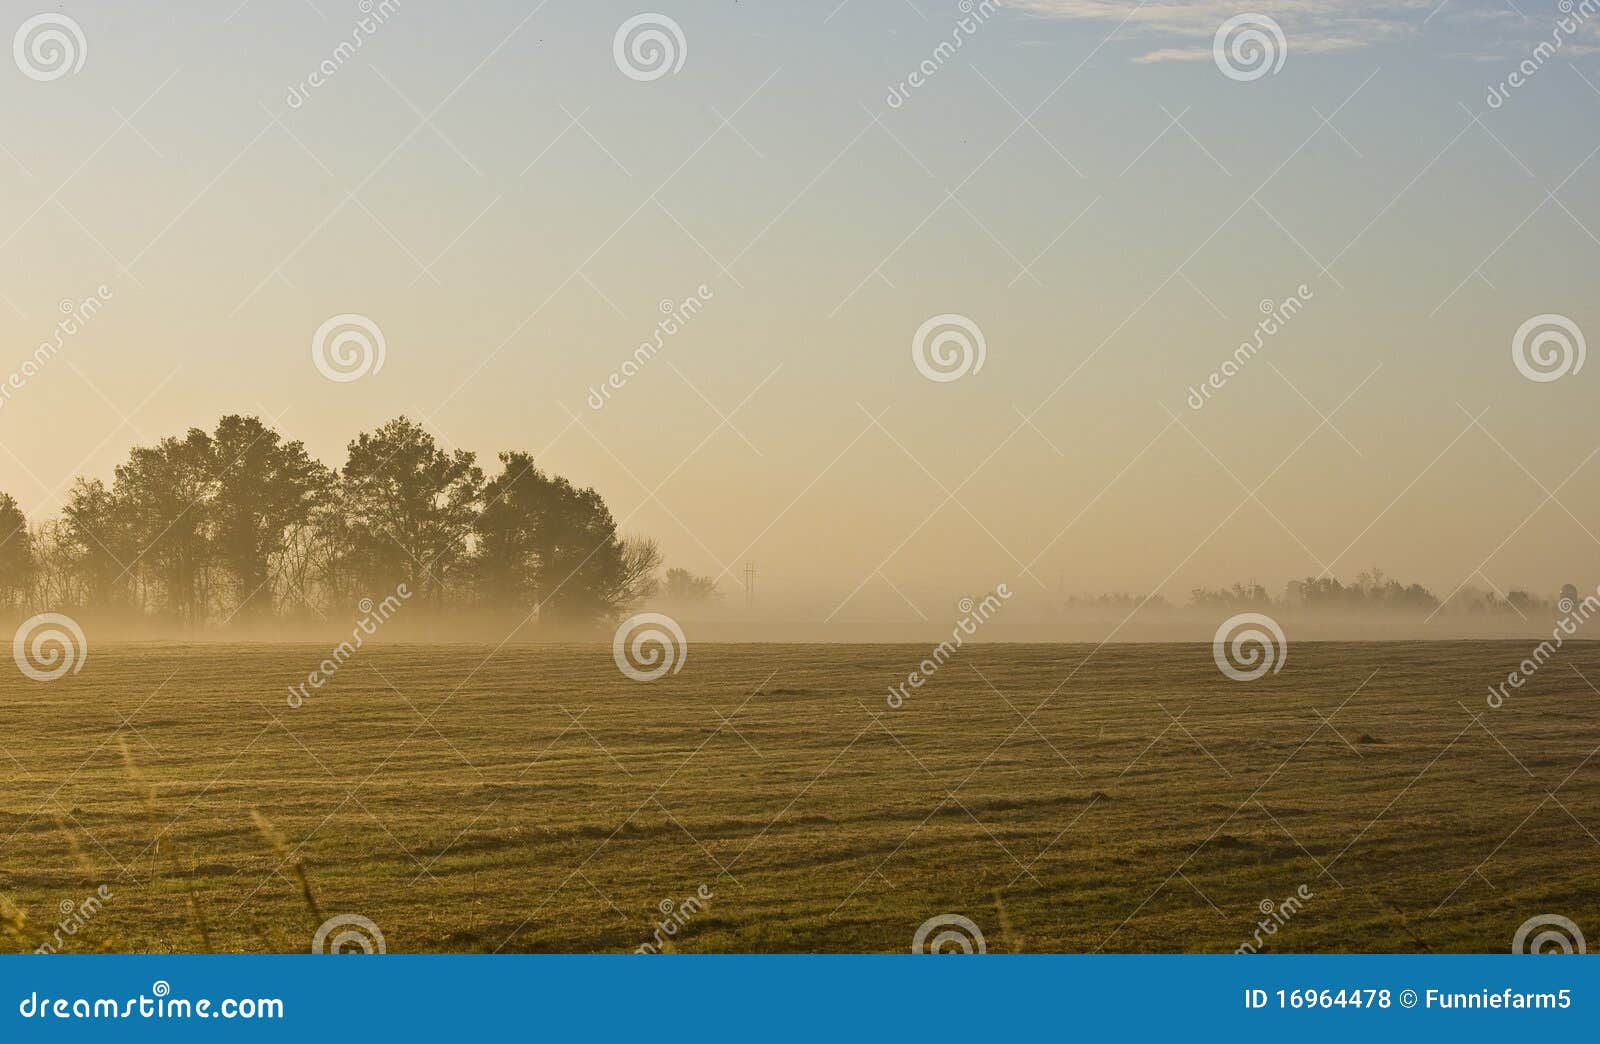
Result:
{"points": [[749, 586]]}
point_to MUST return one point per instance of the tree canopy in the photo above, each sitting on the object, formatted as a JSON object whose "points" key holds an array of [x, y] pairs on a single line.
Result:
{"points": [[240, 523]]}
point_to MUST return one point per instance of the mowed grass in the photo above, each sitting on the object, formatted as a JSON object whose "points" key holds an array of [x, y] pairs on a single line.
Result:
{"points": [[534, 799]]}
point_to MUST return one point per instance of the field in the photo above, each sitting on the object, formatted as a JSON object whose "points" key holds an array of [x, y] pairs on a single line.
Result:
{"points": [[534, 799]]}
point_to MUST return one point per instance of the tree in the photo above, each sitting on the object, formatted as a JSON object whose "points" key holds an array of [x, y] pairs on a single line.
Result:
{"points": [[1370, 591], [546, 546], [1523, 603], [686, 588], [165, 492], [1239, 596], [54, 582], [265, 488], [636, 577], [16, 553], [586, 572], [409, 507], [506, 561], [95, 538]]}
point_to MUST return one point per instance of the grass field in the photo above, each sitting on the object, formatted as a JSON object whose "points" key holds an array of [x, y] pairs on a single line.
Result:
{"points": [[535, 799]]}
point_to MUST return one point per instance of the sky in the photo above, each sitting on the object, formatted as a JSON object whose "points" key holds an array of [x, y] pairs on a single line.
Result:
{"points": [[1113, 205]]}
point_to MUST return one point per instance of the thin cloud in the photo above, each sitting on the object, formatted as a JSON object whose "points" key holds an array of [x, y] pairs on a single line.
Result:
{"points": [[1312, 26], [1303, 45]]}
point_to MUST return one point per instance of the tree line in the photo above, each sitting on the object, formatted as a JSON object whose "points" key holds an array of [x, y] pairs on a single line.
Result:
{"points": [[1371, 591], [241, 525]]}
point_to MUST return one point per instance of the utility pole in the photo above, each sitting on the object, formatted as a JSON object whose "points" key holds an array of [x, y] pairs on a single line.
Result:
{"points": [[749, 586]]}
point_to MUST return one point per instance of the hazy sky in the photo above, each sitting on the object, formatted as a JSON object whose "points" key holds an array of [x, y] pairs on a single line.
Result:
{"points": [[1079, 179]]}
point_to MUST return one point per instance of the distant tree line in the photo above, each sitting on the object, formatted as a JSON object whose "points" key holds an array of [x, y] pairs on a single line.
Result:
{"points": [[1116, 601], [1371, 592], [241, 525]]}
